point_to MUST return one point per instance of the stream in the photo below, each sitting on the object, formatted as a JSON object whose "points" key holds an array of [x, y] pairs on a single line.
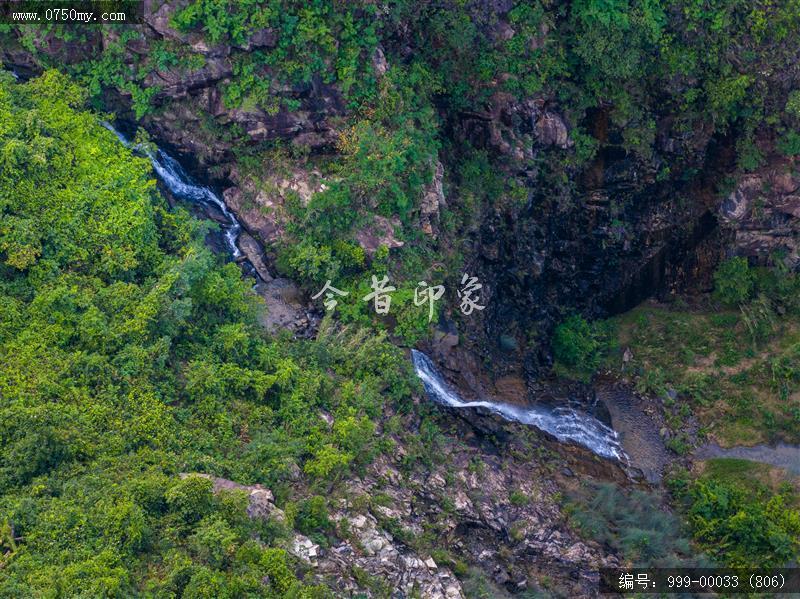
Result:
{"points": [[564, 423], [182, 187], [781, 455]]}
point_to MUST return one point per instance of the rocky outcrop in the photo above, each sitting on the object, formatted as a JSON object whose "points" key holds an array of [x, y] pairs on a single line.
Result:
{"points": [[763, 211], [490, 501], [380, 232], [552, 131], [372, 550], [516, 128], [191, 108], [260, 500], [433, 201], [260, 203]]}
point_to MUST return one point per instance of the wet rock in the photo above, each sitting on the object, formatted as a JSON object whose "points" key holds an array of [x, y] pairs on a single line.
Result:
{"points": [[508, 343], [445, 337]]}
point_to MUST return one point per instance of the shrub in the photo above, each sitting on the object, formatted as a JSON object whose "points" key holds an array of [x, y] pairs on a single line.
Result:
{"points": [[191, 497], [789, 143], [734, 281], [743, 529], [793, 103], [576, 344], [312, 516]]}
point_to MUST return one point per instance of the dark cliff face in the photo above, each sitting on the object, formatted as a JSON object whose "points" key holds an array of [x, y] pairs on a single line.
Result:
{"points": [[610, 246], [595, 240]]}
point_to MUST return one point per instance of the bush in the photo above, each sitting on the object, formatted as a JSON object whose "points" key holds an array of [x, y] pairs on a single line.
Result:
{"points": [[191, 497], [312, 516], [793, 103], [577, 344], [734, 281], [633, 523], [789, 143], [744, 529]]}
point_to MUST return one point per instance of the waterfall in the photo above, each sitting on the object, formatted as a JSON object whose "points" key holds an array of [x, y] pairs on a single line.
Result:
{"points": [[175, 178], [563, 423]]}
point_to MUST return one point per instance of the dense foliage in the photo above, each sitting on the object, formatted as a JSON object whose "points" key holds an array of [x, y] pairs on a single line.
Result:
{"points": [[740, 515], [128, 354]]}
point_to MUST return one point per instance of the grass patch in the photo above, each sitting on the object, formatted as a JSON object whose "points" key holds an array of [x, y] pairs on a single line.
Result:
{"points": [[742, 513], [743, 390]]}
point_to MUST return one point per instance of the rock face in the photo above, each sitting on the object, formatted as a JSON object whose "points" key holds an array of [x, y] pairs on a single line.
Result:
{"points": [[433, 201], [186, 96], [551, 131], [261, 204], [763, 212], [380, 232], [490, 504]]}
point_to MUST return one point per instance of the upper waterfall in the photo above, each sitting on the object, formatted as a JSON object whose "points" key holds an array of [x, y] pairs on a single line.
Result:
{"points": [[180, 184]]}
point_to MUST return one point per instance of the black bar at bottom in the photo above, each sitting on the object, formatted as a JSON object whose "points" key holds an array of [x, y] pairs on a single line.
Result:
{"points": [[620, 581]]}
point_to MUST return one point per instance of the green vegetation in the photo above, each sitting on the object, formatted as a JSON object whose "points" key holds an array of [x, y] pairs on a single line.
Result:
{"points": [[740, 515], [712, 66], [738, 371], [734, 282], [578, 346], [128, 354], [634, 523]]}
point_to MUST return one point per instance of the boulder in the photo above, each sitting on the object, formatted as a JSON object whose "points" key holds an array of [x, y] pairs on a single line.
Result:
{"points": [[260, 499], [552, 131], [253, 252], [433, 200], [381, 232], [259, 203]]}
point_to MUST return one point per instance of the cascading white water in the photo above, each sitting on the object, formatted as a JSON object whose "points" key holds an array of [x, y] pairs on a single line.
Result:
{"points": [[172, 174], [565, 424]]}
